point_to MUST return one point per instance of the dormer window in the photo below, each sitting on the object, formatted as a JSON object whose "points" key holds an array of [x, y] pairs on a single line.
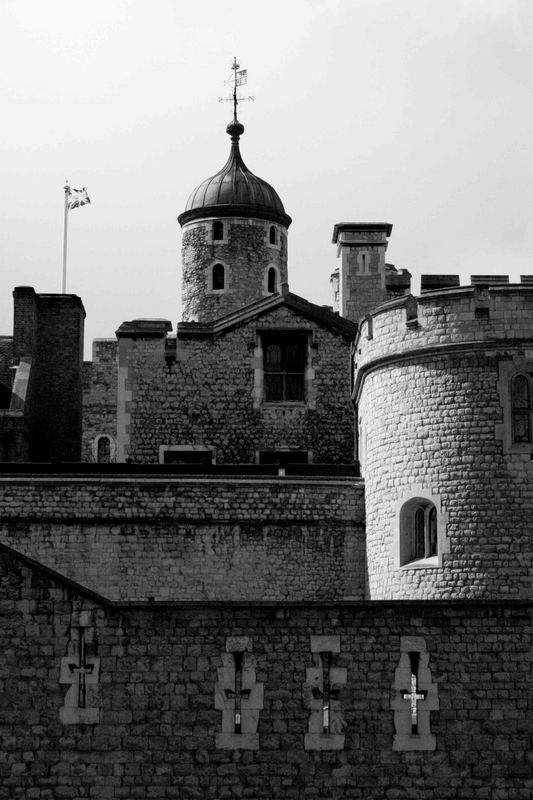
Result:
{"points": [[218, 277], [272, 235], [271, 280], [218, 231]]}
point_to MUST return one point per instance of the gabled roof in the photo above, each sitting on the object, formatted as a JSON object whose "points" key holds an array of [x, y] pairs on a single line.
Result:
{"points": [[318, 314]]}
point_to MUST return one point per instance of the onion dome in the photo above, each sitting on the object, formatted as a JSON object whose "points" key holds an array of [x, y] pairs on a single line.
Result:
{"points": [[235, 191]]}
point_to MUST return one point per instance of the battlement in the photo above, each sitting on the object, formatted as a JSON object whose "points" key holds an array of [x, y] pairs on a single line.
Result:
{"points": [[489, 310]]}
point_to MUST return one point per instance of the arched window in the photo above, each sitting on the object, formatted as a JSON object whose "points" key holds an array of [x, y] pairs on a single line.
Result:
{"points": [[218, 230], [521, 408], [218, 276], [418, 531], [103, 452], [272, 234], [271, 280]]}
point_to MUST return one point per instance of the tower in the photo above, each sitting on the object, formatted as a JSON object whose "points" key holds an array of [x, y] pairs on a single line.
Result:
{"points": [[364, 280], [443, 388], [234, 247]]}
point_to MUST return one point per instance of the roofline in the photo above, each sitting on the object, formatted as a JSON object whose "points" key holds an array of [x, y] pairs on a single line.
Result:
{"points": [[360, 226], [235, 210], [263, 306]]}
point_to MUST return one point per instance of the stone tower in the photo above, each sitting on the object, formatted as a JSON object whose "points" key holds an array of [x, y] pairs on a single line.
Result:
{"points": [[443, 390], [364, 279], [234, 249]]}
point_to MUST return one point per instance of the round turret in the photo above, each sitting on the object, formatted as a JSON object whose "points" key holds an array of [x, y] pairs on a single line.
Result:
{"points": [[234, 248], [443, 390]]}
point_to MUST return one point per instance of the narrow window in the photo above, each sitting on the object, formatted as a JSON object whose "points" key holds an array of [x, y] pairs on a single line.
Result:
{"points": [[418, 548], [432, 538], [413, 694], [418, 531], [521, 408], [103, 453], [218, 230], [271, 280], [218, 276], [237, 693], [284, 367], [272, 234]]}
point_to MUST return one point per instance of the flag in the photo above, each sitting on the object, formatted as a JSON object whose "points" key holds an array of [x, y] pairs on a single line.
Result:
{"points": [[242, 77], [77, 197]]}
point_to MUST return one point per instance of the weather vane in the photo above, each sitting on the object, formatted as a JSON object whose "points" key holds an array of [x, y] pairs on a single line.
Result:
{"points": [[239, 78]]}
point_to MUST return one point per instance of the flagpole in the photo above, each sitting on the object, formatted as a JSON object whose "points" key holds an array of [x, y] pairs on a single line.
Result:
{"points": [[64, 284]]}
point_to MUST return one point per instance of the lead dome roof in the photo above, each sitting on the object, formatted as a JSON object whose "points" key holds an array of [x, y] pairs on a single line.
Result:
{"points": [[235, 191]]}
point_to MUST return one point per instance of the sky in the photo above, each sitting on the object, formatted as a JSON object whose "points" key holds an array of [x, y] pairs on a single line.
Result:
{"points": [[413, 112]]}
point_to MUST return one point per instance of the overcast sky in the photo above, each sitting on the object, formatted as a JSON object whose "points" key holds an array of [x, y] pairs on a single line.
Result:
{"points": [[414, 112]]}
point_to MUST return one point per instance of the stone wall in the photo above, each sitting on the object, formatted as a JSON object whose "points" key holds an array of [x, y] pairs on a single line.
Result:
{"points": [[433, 395], [245, 252], [179, 538], [153, 678], [209, 396], [99, 396]]}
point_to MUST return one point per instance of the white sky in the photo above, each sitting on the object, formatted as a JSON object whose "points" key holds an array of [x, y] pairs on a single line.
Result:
{"points": [[415, 112]]}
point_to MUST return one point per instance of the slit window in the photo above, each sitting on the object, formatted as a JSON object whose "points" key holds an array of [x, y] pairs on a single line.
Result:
{"points": [[521, 408], [218, 230], [272, 235], [271, 280], [218, 277]]}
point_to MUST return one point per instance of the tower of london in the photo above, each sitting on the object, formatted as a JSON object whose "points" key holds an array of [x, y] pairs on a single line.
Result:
{"points": [[274, 549]]}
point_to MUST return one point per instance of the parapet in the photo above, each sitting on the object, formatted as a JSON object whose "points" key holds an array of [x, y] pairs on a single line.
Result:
{"points": [[489, 310], [144, 328]]}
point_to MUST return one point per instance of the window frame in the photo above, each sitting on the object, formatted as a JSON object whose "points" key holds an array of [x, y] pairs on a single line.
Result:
{"points": [[525, 411], [283, 339], [216, 278], [435, 539], [209, 276]]}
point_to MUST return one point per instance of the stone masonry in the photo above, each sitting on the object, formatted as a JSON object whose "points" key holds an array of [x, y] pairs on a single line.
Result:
{"points": [[431, 394], [192, 538], [158, 727]]}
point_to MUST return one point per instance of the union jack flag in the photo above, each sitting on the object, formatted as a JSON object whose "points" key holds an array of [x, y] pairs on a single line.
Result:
{"points": [[77, 197]]}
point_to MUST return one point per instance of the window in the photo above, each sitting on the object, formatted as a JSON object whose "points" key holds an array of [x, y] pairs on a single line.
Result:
{"points": [[218, 276], [283, 457], [272, 235], [218, 230], [284, 367], [271, 280], [418, 531], [197, 455], [521, 408], [103, 451]]}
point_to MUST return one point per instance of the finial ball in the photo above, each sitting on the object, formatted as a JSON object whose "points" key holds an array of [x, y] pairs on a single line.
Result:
{"points": [[235, 128]]}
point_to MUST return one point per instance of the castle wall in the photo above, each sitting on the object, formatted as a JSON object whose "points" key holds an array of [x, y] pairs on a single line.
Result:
{"points": [[211, 395], [245, 252], [433, 396], [99, 396], [157, 725], [132, 537]]}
